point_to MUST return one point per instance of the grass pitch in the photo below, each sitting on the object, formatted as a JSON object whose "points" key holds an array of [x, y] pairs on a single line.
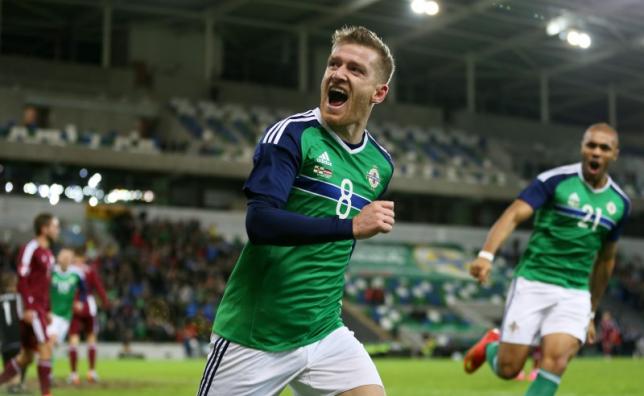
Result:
{"points": [[587, 377]]}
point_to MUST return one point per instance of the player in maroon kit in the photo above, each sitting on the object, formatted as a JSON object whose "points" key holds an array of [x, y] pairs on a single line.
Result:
{"points": [[35, 263], [85, 320]]}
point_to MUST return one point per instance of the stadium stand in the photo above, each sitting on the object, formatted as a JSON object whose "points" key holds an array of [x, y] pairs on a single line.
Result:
{"points": [[229, 131]]}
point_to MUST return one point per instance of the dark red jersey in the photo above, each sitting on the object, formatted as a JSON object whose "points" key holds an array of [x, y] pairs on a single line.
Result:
{"points": [[35, 264], [94, 286]]}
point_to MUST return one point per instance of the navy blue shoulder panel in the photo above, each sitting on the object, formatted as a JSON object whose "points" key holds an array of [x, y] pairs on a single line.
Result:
{"points": [[277, 158]]}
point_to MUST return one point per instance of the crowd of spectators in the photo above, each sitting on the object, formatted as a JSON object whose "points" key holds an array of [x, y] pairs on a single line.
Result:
{"points": [[164, 280]]}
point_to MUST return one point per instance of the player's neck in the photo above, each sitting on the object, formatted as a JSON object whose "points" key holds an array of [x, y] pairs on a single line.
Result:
{"points": [[352, 134], [43, 241], [596, 182]]}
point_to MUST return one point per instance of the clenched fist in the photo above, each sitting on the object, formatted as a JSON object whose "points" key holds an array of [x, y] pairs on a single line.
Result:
{"points": [[480, 269], [375, 218]]}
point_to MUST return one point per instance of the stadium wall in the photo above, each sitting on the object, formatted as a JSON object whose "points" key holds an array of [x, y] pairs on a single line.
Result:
{"points": [[521, 130], [55, 76], [518, 130], [86, 112], [142, 350], [181, 52]]}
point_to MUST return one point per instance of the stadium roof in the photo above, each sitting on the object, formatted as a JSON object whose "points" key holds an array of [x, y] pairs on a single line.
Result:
{"points": [[505, 41]]}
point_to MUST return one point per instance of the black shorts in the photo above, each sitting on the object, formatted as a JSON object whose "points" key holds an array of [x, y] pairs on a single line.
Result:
{"points": [[9, 354]]}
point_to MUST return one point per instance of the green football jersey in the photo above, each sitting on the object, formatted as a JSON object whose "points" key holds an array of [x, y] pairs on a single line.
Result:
{"points": [[64, 285], [571, 224], [282, 297]]}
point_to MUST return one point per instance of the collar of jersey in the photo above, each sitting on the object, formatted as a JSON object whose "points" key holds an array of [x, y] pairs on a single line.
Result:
{"points": [[365, 138], [58, 269], [606, 186]]}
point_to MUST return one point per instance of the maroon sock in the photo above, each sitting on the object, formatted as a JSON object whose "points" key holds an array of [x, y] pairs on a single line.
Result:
{"points": [[11, 369], [44, 376], [73, 358], [91, 356]]}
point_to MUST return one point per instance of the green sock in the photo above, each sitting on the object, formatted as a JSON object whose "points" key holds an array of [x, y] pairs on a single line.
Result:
{"points": [[491, 351], [546, 384]]}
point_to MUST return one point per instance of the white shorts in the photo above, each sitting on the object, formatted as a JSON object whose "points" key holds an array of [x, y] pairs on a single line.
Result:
{"points": [[536, 309], [58, 328], [333, 365]]}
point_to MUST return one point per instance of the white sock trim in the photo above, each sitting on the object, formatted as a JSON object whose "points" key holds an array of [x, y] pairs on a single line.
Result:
{"points": [[44, 363], [16, 366], [550, 377]]}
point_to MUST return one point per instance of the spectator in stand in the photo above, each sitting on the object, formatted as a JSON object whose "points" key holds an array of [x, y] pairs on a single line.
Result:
{"points": [[30, 117]]}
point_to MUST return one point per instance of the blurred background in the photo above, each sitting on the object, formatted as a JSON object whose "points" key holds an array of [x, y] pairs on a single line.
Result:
{"points": [[135, 122]]}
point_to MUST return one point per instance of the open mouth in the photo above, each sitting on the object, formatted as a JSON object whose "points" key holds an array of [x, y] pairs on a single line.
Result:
{"points": [[337, 97], [594, 165]]}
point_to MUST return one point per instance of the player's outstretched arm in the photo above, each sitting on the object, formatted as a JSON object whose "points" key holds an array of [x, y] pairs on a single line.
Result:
{"points": [[518, 212], [100, 289], [602, 271], [268, 224], [375, 218]]}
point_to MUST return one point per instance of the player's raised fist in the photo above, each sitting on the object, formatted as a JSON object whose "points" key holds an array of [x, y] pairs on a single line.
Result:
{"points": [[375, 218], [480, 269]]}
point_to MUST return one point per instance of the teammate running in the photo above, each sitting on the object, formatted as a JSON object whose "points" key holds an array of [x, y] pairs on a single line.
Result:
{"points": [[34, 276], [85, 319], [314, 188], [580, 214], [66, 282]]}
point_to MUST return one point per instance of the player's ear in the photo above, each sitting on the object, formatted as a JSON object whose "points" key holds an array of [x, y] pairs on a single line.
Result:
{"points": [[616, 154], [380, 93]]}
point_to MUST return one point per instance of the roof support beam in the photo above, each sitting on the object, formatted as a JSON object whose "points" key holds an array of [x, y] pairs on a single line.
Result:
{"points": [[347, 8], [612, 106], [1, 25], [106, 42], [209, 43], [442, 22], [544, 98], [226, 7], [219, 10], [636, 44], [470, 83], [303, 61]]}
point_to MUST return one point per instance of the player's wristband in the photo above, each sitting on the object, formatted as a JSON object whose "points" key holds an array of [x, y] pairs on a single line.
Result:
{"points": [[484, 254], [592, 315]]}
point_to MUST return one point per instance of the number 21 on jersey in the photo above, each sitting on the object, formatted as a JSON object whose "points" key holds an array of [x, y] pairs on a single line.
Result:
{"points": [[589, 212]]}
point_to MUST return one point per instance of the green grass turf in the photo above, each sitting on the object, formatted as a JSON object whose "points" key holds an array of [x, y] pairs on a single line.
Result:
{"points": [[587, 377]]}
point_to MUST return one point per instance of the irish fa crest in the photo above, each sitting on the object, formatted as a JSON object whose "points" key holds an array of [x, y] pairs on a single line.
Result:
{"points": [[373, 177], [611, 208], [573, 200]]}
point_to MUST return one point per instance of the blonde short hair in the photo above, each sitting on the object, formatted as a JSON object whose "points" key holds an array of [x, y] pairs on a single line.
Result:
{"points": [[365, 37]]}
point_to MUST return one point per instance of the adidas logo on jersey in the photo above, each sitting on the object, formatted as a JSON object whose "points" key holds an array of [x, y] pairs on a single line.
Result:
{"points": [[324, 159]]}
